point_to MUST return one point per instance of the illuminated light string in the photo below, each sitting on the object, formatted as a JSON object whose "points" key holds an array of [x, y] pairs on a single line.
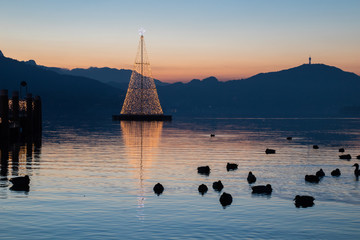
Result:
{"points": [[141, 97], [22, 105]]}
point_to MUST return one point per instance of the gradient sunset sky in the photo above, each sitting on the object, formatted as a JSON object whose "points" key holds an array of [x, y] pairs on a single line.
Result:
{"points": [[228, 39]]}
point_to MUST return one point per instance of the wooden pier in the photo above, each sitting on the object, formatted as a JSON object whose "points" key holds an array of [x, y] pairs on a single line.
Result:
{"points": [[20, 119]]}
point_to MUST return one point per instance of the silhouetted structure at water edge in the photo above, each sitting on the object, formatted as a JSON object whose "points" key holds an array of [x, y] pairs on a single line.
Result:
{"points": [[20, 133], [20, 119]]}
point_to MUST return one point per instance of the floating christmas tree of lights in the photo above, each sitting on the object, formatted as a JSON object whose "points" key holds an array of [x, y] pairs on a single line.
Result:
{"points": [[141, 101]]}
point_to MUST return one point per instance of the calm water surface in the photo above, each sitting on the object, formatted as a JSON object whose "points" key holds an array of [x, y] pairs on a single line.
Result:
{"points": [[94, 179]]}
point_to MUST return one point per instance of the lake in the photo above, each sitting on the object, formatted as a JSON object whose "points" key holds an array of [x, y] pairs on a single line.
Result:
{"points": [[94, 178]]}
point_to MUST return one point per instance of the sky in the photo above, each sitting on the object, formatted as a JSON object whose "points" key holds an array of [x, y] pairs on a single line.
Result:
{"points": [[185, 39]]}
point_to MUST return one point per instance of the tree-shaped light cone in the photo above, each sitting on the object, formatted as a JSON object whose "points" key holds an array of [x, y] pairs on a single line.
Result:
{"points": [[141, 97]]}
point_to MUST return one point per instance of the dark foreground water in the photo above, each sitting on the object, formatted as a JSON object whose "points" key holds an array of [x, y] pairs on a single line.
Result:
{"points": [[94, 180]]}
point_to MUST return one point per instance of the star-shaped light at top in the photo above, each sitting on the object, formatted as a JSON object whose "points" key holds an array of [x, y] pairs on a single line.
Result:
{"points": [[142, 31]]}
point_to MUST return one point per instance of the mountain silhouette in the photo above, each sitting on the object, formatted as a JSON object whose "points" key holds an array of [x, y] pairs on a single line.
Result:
{"points": [[61, 94], [307, 90], [118, 78], [105, 75], [315, 90]]}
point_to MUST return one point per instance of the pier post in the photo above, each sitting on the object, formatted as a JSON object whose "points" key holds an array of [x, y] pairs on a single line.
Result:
{"points": [[37, 148], [15, 150], [15, 106], [4, 159], [4, 114], [29, 115], [37, 119], [29, 150]]}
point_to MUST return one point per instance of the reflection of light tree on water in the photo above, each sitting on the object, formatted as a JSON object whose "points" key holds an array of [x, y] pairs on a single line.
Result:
{"points": [[141, 140], [141, 198]]}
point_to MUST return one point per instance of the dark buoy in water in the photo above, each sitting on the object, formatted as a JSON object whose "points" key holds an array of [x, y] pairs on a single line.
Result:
{"points": [[320, 173], [356, 171], [336, 173], [20, 183], [312, 178], [345, 156], [358, 157], [341, 150], [231, 166], [262, 189], [202, 189], [218, 186], [225, 199], [289, 138], [270, 151], [25, 188], [212, 135], [205, 170], [315, 147], [158, 189], [251, 178], [304, 201]]}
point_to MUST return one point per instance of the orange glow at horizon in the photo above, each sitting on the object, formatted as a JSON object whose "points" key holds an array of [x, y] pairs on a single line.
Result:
{"points": [[185, 40], [181, 68]]}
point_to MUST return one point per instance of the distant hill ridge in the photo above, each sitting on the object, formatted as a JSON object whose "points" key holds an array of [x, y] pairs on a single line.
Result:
{"points": [[61, 93], [115, 77], [315, 90], [104, 74], [307, 90]]}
